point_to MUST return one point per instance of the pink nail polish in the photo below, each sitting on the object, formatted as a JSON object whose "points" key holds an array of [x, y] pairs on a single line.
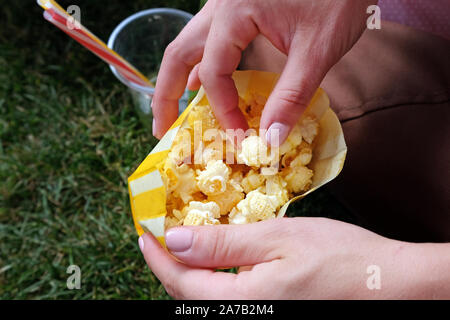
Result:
{"points": [[276, 134], [141, 243], [154, 127], [179, 239]]}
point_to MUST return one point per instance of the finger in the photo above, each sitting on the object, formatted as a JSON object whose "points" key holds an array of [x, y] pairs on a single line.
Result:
{"points": [[183, 282], [179, 58], [301, 76], [227, 245], [230, 34], [193, 80]]}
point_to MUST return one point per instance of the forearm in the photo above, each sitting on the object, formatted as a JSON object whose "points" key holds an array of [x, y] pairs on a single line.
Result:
{"points": [[407, 271], [413, 271], [429, 265]]}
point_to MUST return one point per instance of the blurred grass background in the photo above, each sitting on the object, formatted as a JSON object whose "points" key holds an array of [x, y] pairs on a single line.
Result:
{"points": [[69, 138]]}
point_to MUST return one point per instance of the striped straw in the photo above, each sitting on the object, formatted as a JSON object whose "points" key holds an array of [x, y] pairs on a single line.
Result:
{"points": [[61, 19]]}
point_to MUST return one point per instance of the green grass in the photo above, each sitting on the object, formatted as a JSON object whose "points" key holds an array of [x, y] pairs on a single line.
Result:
{"points": [[69, 138]]}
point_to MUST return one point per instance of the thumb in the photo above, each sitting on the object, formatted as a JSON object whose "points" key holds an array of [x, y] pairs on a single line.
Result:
{"points": [[226, 245], [301, 76]]}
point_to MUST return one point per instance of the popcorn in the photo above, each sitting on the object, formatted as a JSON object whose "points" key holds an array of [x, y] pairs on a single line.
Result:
{"points": [[171, 222], [277, 187], [174, 203], [302, 155], [253, 180], [254, 152], [303, 158], [186, 184], [213, 179], [203, 154], [298, 178], [237, 177], [181, 151], [202, 114], [251, 190], [252, 109], [179, 215], [174, 218], [255, 207], [227, 200], [179, 180], [287, 158], [198, 213], [309, 129], [292, 141]]}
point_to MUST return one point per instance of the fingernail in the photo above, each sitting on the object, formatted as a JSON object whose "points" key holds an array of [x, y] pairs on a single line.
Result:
{"points": [[277, 133], [154, 127], [141, 243], [179, 239]]}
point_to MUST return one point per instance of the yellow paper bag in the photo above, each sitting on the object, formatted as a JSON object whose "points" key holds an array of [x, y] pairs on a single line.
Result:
{"points": [[146, 187]]}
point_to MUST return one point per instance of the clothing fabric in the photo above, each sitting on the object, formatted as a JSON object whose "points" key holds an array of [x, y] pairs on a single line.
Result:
{"points": [[392, 95], [427, 15], [391, 92]]}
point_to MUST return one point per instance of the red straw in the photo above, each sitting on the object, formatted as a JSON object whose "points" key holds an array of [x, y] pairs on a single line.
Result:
{"points": [[59, 18]]}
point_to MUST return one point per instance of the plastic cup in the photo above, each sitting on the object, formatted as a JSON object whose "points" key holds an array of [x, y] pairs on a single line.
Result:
{"points": [[141, 39]]}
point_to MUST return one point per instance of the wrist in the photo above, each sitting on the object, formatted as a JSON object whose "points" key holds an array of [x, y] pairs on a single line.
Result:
{"points": [[416, 271], [430, 265], [410, 271]]}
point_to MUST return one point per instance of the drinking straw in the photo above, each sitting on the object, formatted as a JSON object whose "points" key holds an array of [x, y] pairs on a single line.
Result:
{"points": [[55, 14]]}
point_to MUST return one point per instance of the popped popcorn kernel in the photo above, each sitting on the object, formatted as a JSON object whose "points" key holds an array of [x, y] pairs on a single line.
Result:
{"points": [[168, 174], [179, 215], [292, 141], [253, 180], [254, 152], [186, 184], [174, 203], [180, 180], [205, 153], [182, 147], [202, 114], [309, 128], [255, 207], [303, 152], [227, 200], [298, 178], [276, 186], [198, 213], [213, 179], [303, 158], [237, 176], [171, 222], [173, 218]]}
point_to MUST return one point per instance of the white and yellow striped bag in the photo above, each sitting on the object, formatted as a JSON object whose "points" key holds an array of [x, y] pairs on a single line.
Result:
{"points": [[146, 188]]}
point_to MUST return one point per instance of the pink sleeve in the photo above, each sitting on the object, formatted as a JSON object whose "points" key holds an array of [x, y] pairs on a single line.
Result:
{"points": [[430, 16]]}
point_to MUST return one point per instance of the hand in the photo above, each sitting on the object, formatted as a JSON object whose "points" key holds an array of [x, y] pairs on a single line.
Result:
{"points": [[314, 34], [290, 258]]}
